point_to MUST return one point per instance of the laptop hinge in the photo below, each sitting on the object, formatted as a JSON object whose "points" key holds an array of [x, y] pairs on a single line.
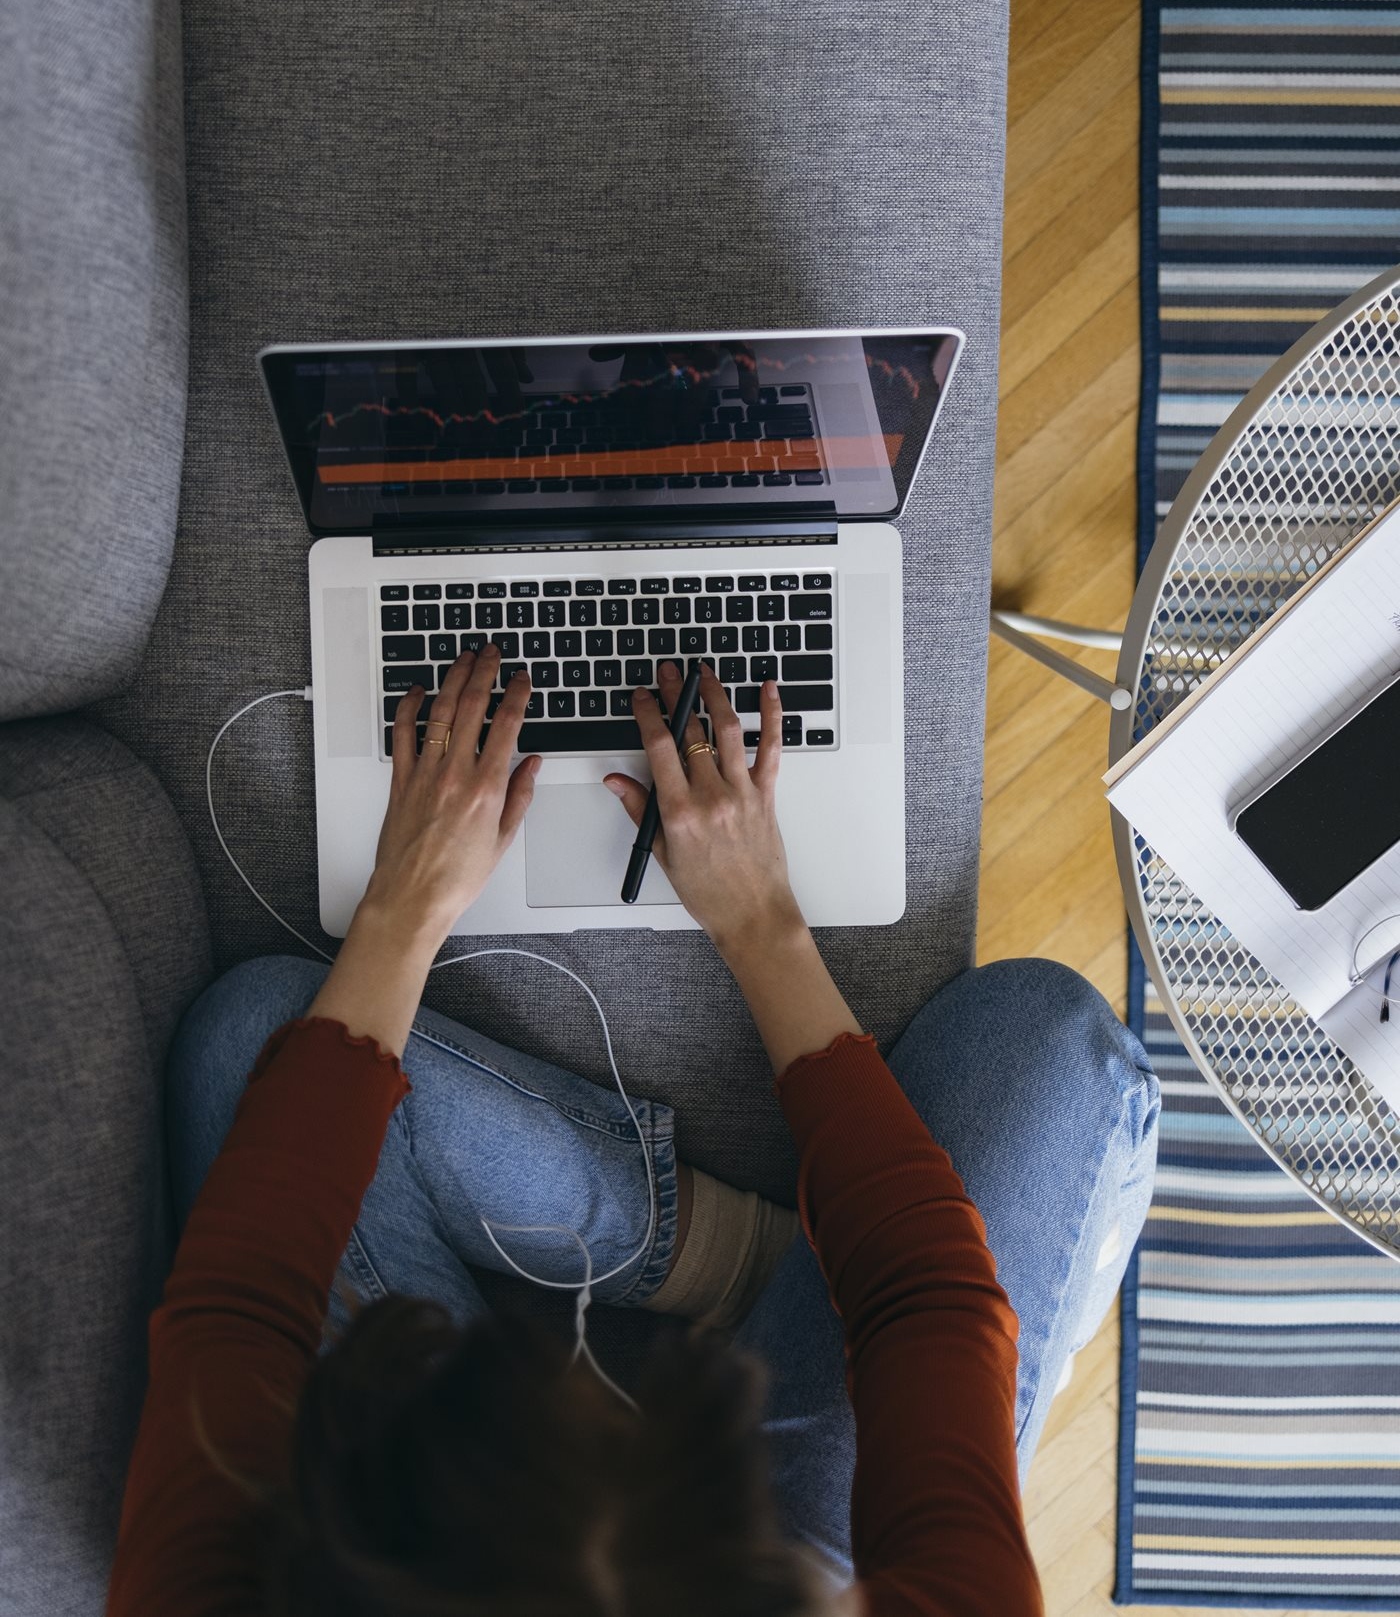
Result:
{"points": [[478, 540]]}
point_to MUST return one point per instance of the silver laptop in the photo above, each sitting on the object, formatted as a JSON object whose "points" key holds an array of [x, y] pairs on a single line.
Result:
{"points": [[597, 505]]}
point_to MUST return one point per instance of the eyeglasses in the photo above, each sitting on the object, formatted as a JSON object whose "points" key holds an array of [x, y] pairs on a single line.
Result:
{"points": [[1378, 976]]}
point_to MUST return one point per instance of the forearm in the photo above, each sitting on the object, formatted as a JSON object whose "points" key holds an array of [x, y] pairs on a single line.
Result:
{"points": [[795, 1005], [377, 980]]}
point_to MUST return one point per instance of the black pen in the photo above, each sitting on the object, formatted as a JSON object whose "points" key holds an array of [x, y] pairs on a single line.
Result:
{"points": [[651, 818]]}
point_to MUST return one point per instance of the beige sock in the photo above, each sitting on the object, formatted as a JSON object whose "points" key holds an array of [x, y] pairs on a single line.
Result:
{"points": [[734, 1243]]}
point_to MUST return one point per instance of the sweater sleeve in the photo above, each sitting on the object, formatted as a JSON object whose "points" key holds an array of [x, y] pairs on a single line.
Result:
{"points": [[936, 1525], [241, 1317]]}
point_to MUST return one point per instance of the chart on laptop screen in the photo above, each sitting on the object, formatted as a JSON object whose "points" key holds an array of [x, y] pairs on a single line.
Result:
{"points": [[817, 424]]}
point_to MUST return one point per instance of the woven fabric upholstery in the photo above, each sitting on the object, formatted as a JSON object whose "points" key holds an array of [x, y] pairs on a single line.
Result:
{"points": [[102, 944], [369, 171], [93, 326]]}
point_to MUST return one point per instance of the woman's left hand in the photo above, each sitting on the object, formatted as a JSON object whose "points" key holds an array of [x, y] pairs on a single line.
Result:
{"points": [[452, 811]]}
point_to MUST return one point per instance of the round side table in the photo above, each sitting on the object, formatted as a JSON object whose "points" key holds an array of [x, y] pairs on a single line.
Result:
{"points": [[1311, 455]]}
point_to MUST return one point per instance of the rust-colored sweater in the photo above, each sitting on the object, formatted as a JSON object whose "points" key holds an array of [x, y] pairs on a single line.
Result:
{"points": [[930, 1337]]}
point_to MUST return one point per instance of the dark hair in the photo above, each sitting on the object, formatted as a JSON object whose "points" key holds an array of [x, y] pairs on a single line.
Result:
{"points": [[475, 1471]]}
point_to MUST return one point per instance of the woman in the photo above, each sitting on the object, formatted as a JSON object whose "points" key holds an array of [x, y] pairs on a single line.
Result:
{"points": [[432, 1460]]}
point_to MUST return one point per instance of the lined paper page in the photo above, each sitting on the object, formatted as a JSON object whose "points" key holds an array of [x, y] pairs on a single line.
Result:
{"points": [[1336, 647]]}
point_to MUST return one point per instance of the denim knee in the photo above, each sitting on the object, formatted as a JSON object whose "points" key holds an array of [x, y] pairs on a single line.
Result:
{"points": [[1027, 1013]]}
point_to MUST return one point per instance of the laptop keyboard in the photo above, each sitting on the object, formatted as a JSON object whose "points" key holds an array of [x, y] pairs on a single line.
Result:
{"points": [[589, 642]]}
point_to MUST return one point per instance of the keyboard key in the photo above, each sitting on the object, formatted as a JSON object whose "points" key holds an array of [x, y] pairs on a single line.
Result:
{"points": [[391, 707], [427, 617], [509, 644], [739, 609], [393, 592], [560, 705], [427, 592], [507, 672], [527, 588], [807, 668], [393, 619], [557, 586], [442, 645], [818, 637], [761, 668], [788, 637], [746, 699], [680, 480], [537, 643], [457, 617], [777, 479], [592, 705], [809, 606], [685, 586], [638, 671], [521, 614], [489, 615], [771, 608], [714, 480], [577, 674], [544, 675], [622, 586], [693, 641], [460, 592], [733, 670], [646, 611], [630, 642], [754, 637], [753, 583], [567, 643], [708, 609], [405, 674], [808, 477], [583, 614], [725, 639], [718, 586], [404, 648], [654, 586], [816, 581], [792, 730], [783, 581], [619, 703], [534, 709], [807, 698], [661, 642], [550, 615], [675, 610], [743, 480], [389, 741], [568, 735], [491, 592], [752, 738], [821, 738], [614, 612], [472, 642], [589, 586], [607, 674], [599, 642]]}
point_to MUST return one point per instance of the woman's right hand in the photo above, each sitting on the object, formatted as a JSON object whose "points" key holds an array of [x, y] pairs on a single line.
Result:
{"points": [[720, 848]]}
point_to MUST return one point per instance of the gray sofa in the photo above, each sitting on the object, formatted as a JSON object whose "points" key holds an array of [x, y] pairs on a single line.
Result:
{"points": [[188, 184]]}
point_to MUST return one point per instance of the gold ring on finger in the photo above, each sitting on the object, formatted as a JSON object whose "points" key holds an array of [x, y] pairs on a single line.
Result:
{"points": [[697, 746], [443, 722]]}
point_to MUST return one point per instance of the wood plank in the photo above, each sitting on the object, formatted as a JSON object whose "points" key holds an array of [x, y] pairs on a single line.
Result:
{"points": [[1058, 309], [1046, 59], [1072, 102], [1073, 169]]}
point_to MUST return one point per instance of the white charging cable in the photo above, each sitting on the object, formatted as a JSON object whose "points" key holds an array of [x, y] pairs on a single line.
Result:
{"points": [[585, 1287]]}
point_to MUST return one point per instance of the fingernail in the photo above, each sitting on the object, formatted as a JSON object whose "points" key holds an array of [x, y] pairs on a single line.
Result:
{"points": [[536, 764], [518, 675], [639, 695], [614, 787], [415, 690]]}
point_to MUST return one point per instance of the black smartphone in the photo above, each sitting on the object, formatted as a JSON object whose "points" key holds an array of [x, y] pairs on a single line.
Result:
{"points": [[1336, 811]]}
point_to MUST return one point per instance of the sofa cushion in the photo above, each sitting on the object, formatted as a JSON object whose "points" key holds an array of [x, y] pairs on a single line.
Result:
{"points": [[367, 171], [102, 944], [93, 326]]}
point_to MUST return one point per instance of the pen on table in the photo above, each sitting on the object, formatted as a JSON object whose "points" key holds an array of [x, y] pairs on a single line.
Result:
{"points": [[651, 818]]}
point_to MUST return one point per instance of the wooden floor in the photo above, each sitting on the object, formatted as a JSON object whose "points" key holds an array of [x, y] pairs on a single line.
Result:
{"points": [[1064, 548]]}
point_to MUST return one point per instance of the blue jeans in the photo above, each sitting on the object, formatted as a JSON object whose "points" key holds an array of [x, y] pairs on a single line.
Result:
{"points": [[1044, 1101]]}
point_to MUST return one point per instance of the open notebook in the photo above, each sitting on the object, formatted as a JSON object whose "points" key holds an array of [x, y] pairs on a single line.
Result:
{"points": [[1323, 654]]}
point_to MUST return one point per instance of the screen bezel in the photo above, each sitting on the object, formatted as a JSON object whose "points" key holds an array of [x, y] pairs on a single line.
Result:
{"points": [[274, 355]]}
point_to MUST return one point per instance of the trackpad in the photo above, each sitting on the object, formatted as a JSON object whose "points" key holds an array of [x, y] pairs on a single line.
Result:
{"points": [[578, 840]]}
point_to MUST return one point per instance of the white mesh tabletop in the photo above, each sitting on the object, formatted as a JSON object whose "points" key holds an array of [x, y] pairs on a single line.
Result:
{"points": [[1311, 455]]}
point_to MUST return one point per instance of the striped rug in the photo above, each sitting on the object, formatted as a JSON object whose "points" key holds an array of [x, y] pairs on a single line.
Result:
{"points": [[1259, 1459]]}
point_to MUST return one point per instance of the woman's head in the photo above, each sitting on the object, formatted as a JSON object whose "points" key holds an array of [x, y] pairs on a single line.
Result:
{"points": [[438, 1470]]}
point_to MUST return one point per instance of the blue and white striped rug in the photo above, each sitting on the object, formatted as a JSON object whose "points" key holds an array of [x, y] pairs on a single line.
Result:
{"points": [[1259, 1458]]}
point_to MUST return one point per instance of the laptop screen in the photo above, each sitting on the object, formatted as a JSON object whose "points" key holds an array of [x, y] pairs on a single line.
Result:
{"points": [[803, 425]]}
